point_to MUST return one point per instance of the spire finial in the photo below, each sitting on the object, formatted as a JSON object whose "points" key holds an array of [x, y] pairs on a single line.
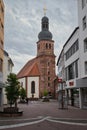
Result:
{"points": [[44, 9]]}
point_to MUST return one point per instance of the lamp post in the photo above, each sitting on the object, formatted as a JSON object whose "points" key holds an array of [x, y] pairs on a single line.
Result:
{"points": [[61, 92], [62, 103]]}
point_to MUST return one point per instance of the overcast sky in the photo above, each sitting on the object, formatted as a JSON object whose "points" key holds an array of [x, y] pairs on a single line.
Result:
{"points": [[23, 23]]}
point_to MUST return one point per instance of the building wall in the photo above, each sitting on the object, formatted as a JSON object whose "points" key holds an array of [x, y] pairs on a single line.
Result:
{"points": [[1, 47], [26, 84], [7, 69], [67, 47], [46, 63], [23, 82], [76, 87], [45, 47], [72, 58], [61, 66], [1, 38], [7, 66], [36, 80], [82, 12]]}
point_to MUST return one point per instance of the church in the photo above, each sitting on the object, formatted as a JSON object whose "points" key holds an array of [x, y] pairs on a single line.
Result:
{"points": [[38, 75]]}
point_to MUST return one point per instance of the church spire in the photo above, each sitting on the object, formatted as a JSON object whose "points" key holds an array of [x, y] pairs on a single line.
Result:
{"points": [[44, 9], [45, 34]]}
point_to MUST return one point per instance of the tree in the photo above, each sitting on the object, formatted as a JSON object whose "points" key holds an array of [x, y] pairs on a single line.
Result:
{"points": [[12, 89], [45, 98], [45, 92], [22, 93]]}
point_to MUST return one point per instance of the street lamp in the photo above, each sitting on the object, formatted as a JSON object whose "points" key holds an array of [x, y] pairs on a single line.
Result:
{"points": [[62, 100]]}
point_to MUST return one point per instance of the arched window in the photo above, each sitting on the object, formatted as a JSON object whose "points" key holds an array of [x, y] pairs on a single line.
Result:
{"points": [[49, 46], [33, 87], [46, 46], [43, 26], [46, 25]]}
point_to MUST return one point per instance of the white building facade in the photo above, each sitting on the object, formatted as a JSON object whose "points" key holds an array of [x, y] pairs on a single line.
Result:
{"points": [[82, 81], [30, 84], [71, 58], [75, 60], [7, 69], [61, 71]]}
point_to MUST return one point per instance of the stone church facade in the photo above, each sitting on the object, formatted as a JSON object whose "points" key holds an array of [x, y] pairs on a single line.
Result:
{"points": [[38, 74]]}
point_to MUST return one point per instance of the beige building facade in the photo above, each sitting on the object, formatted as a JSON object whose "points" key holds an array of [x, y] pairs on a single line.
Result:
{"points": [[1, 46]]}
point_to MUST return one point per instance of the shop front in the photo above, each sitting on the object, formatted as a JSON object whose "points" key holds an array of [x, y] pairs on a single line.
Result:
{"points": [[73, 97], [82, 85]]}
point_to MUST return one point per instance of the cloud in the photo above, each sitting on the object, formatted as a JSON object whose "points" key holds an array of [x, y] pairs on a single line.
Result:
{"points": [[19, 59], [23, 23]]}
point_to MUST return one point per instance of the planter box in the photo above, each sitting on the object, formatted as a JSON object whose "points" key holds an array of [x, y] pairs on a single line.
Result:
{"points": [[11, 112]]}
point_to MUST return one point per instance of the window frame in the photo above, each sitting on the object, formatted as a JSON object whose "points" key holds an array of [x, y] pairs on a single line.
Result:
{"points": [[33, 87], [85, 45], [85, 67], [84, 22]]}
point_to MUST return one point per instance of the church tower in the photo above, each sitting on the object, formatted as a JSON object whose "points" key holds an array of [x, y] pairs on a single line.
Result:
{"points": [[38, 74], [46, 58]]}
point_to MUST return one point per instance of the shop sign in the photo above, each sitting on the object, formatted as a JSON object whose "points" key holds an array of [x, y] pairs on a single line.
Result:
{"points": [[59, 80], [71, 83]]}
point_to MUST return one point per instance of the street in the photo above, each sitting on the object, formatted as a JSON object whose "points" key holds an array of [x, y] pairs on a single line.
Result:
{"points": [[46, 115]]}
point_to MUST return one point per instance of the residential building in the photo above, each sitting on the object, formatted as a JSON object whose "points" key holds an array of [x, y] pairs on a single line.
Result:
{"points": [[75, 60], [1, 47], [71, 51], [82, 81], [7, 69], [61, 70]]}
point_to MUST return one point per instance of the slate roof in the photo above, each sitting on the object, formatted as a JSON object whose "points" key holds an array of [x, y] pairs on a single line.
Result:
{"points": [[45, 34]]}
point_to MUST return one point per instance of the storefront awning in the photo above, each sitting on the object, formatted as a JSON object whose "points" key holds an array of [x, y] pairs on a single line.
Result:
{"points": [[81, 83]]}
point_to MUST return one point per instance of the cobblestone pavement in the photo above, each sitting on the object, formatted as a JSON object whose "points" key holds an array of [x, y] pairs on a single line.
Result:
{"points": [[46, 115]]}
